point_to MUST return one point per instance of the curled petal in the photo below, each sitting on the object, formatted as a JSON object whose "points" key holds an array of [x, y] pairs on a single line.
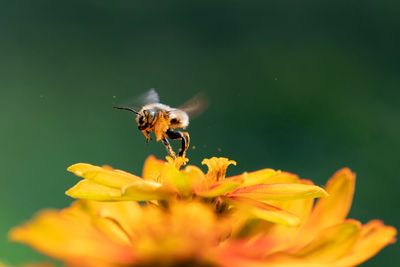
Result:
{"points": [[103, 176]]}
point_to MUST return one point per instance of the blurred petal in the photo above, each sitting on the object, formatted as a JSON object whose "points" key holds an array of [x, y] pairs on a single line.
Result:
{"points": [[195, 173], [374, 237], [63, 236], [103, 176], [152, 168], [279, 191], [266, 212], [332, 243], [114, 219]]}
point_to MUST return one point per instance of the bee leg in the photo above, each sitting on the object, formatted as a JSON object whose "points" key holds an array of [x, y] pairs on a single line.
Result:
{"points": [[184, 136], [146, 135], [168, 147]]}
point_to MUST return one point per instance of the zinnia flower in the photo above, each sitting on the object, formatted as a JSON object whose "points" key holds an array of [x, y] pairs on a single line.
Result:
{"points": [[254, 191], [188, 230]]}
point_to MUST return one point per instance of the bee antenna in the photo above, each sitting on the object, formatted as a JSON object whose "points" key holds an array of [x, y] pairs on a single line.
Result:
{"points": [[127, 108]]}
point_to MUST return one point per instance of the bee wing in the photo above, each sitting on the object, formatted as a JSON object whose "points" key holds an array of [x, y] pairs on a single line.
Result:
{"points": [[149, 97], [195, 106]]}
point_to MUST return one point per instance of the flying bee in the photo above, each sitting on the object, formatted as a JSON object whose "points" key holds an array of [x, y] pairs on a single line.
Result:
{"points": [[165, 121]]}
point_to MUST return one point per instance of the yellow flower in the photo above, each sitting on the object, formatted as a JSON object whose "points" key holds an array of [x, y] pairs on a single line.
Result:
{"points": [[325, 236], [254, 192], [190, 233], [93, 233]]}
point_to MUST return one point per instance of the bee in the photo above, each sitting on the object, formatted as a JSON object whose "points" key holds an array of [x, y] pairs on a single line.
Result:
{"points": [[165, 121]]}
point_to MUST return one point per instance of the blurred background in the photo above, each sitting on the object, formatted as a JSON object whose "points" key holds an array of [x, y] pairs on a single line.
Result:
{"points": [[303, 86]]}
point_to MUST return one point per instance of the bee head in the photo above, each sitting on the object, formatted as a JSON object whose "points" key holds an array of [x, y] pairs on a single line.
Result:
{"points": [[145, 118]]}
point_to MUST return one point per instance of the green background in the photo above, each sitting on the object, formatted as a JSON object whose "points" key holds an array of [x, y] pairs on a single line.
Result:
{"points": [[303, 86]]}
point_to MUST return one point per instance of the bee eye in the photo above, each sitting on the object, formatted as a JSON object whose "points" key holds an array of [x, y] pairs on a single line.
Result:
{"points": [[141, 120], [174, 120]]}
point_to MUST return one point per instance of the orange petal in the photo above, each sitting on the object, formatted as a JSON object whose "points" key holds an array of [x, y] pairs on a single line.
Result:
{"points": [[69, 235], [103, 176], [300, 207], [374, 237], [249, 262], [218, 189], [266, 176], [333, 209], [265, 211], [332, 243], [152, 168], [122, 214], [265, 192]]}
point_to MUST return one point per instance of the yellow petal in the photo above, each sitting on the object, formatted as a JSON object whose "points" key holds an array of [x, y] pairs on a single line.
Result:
{"points": [[218, 189], [103, 176], [176, 179], [374, 237], [279, 191], [152, 169], [195, 173], [217, 168], [235, 261], [332, 243], [301, 207], [333, 209], [62, 236], [145, 191], [266, 176], [285, 236], [115, 218], [265, 211], [87, 189]]}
